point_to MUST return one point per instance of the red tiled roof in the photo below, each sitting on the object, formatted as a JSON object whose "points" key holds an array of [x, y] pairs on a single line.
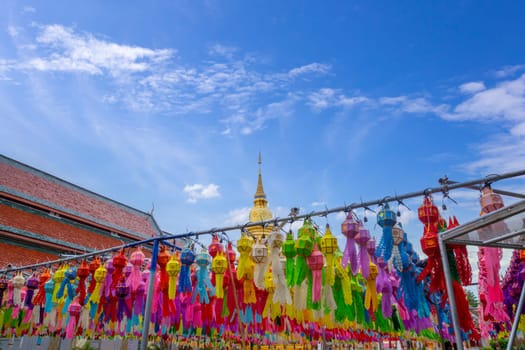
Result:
{"points": [[20, 256], [50, 227], [31, 184]]}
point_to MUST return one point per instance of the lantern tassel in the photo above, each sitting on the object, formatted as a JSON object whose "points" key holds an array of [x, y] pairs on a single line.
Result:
{"points": [[281, 294]]}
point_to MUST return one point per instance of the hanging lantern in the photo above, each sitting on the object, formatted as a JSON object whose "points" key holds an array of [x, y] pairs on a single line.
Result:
{"points": [[186, 259], [32, 285], [204, 288], [350, 229], [328, 248], [489, 200], [74, 312], [362, 239], [122, 291], [259, 252], [219, 265], [371, 291], [119, 263], [18, 282], [244, 246], [316, 263], [397, 235], [260, 257], [173, 269], [281, 293], [429, 215], [99, 276], [289, 252], [232, 256], [386, 218], [215, 246], [93, 266], [136, 260], [83, 274], [303, 246], [3, 288]]}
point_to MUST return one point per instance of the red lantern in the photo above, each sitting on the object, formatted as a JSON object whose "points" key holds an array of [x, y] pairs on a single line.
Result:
{"points": [[215, 246]]}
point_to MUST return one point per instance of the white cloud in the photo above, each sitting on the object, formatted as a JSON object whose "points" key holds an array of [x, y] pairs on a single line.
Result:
{"points": [[416, 105], [315, 67], [13, 31], [318, 204], [199, 191], [509, 70], [237, 216], [82, 52], [407, 216], [29, 9], [223, 50], [327, 98], [472, 87], [504, 101]]}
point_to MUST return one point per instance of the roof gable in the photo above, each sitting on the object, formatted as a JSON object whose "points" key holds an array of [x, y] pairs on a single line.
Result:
{"points": [[30, 184]]}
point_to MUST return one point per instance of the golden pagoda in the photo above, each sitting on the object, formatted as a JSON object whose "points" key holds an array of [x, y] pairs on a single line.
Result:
{"points": [[260, 211]]}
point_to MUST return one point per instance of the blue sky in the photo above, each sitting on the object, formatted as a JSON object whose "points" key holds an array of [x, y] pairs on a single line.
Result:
{"points": [[168, 103]]}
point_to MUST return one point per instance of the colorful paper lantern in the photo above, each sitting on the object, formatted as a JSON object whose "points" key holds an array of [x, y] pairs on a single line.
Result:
{"points": [[290, 252], [260, 257], [350, 229], [173, 268], [386, 218], [328, 247], [362, 239], [219, 266], [304, 246], [215, 246], [316, 263]]}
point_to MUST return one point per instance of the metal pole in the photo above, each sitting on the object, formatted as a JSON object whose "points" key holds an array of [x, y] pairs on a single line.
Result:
{"points": [[149, 297], [450, 291], [516, 321]]}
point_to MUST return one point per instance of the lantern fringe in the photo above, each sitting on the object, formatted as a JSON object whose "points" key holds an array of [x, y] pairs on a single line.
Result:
{"points": [[281, 294], [259, 272]]}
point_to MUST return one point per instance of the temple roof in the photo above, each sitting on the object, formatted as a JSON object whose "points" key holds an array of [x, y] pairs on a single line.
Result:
{"points": [[29, 185]]}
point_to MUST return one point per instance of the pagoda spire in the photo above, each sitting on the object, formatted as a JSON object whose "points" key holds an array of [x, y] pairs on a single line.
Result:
{"points": [[260, 189], [260, 210]]}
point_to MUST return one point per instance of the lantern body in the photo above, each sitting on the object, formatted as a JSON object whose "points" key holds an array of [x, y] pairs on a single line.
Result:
{"points": [[219, 264], [100, 274], [71, 273], [74, 308], [215, 246], [277, 240], [373, 271], [173, 267], [386, 216], [83, 270], [94, 265], [122, 290], [289, 249], [307, 230], [163, 257], [244, 245], [522, 256], [119, 260], [18, 281], [316, 260], [489, 200], [397, 234], [304, 246], [187, 257], [363, 236], [203, 259], [259, 253], [429, 244], [350, 227], [329, 242], [33, 282], [428, 213], [137, 257]]}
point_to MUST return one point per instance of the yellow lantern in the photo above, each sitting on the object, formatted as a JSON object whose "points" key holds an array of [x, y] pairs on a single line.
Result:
{"points": [[173, 268], [329, 246], [219, 265], [244, 246]]}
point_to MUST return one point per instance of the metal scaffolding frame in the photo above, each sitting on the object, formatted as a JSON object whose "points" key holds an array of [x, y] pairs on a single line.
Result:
{"points": [[494, 235]]}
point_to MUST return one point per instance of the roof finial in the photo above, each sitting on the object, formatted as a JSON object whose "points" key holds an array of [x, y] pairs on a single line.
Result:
{"points": [[260, 191]]}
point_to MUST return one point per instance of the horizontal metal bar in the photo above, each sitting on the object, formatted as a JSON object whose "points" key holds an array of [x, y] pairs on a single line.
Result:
{"points": [[504, 237], [484, 220], [482, 244], [495, 190]]}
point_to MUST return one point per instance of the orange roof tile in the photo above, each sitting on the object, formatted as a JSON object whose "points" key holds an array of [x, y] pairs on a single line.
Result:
{"points": [[31, 184]]}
